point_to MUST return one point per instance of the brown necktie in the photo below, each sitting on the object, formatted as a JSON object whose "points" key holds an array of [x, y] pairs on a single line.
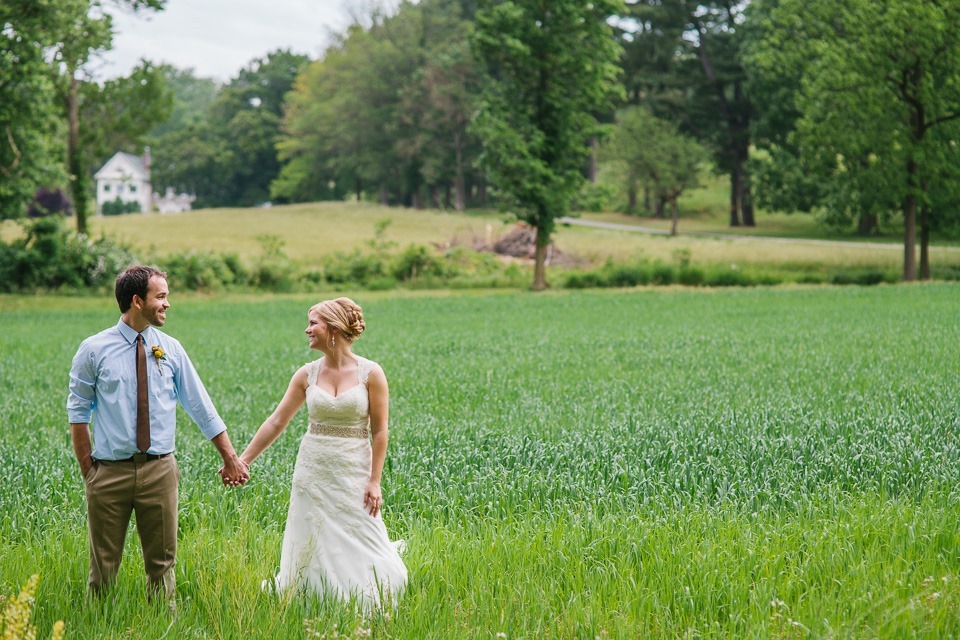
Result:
{"points": [[143, 403]]}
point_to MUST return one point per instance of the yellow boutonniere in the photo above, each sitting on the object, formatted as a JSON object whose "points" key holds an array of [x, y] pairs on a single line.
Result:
{"points": [[159, 355]]}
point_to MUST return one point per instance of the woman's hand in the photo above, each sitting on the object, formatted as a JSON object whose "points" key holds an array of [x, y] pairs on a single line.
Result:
{"points": [[372, 499]]}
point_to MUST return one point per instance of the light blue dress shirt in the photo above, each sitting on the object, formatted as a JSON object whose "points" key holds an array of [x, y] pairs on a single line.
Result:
{"points": [[103, 381]]}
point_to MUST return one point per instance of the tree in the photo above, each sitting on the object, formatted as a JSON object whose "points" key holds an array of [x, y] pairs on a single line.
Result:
{"points": [[84, 31], [406, 82], [30, 145], [225, 151], [879, 104], [652, 153], [550, 66], [683, 60], [192, 98]]}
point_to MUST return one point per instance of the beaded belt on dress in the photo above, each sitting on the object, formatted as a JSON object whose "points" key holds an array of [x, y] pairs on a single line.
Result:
{"points": [[321, 429]]}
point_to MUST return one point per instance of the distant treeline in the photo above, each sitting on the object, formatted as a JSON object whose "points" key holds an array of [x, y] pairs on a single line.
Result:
{"points": [[850, 110]]}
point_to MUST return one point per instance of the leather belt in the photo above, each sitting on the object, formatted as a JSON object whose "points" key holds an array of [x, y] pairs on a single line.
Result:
{"points": [[143, 457]]}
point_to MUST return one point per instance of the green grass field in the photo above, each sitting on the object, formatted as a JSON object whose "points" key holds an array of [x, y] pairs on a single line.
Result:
{"points": [[754, 463]]}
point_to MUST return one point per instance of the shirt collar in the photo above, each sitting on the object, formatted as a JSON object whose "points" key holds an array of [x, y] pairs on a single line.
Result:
{"points": [[130, 335]]}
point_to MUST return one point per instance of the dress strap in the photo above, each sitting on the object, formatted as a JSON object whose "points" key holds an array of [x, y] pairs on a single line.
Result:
{"points": [[363, 369], [312, 369]]}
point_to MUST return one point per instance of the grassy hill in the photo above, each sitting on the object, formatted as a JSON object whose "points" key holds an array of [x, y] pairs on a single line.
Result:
{"points": [[308, 232]]}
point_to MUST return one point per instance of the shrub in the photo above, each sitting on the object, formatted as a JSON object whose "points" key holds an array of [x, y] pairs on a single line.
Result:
{"points": [[273, 270], [48, 202], [417, 261], [118, 207], [203, 270], [49, 256]]}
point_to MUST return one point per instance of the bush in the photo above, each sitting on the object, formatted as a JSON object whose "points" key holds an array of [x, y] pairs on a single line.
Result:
{"points": [[273, 270], [49, 202], [860, 276], [49, 256], [353, 267], [417, 261], [118, 207], [594, 197], [203, 271]]}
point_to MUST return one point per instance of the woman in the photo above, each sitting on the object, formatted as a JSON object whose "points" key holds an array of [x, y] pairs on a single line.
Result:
{"points": [[335, 541]]}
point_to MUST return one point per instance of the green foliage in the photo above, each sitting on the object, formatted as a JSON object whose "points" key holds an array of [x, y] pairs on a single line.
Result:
{"points": [[31, 150], [549, 70], [872, 91], [50, 257], [651, 153], [406, 82], [273, 270], [683, 60], [224, 149], [204, 271], [118, 207]]}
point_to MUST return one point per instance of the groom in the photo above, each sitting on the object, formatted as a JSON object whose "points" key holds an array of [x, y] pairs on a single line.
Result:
{"points": [[131, 377]]}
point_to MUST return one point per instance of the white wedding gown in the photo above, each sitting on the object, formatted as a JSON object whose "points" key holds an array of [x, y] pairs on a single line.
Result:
{"points": [[332, 544]]}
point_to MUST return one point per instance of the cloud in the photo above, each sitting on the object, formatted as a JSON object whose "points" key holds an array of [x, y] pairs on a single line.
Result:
{"points": [[217, 38]]}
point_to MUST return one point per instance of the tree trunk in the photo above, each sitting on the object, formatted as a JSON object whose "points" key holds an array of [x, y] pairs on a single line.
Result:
{"points": [[482, 192], [594, 154], [384, 197], [78, 178], [540, 261], [746, 196], [910, 225], [867, 223], [460, 201], [416, 199], [910, 239], [676, 217], [632, 199], [924, 244], [735, 197], [357, 189], [658, 211], [646, 200]]}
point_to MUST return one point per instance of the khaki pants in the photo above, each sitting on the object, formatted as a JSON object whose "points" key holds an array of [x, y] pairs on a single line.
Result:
{"points": [[114, 490]]}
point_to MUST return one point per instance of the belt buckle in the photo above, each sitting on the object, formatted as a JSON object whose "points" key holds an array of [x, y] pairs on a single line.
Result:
{"points": [[139, 458]]}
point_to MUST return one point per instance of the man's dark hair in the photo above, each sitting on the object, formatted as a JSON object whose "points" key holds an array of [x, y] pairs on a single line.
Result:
{"points": [[133, 282]]}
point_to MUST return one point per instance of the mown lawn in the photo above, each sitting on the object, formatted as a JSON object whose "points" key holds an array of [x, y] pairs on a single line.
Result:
{"points": [[754, 463]]}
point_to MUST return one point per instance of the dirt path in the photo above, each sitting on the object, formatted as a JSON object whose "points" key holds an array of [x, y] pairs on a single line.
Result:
{"points": [[732, 236]]}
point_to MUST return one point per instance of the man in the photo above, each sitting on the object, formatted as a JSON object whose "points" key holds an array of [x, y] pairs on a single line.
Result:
{"points": [[131, 376]]}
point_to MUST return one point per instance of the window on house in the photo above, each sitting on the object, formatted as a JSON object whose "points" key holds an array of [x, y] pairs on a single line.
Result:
{"points": [[119, 188], [106, 187], [133, 188]]}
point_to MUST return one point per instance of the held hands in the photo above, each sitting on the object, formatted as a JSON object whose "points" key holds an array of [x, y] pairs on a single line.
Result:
{"points": [[372, 499], [234, 473]]}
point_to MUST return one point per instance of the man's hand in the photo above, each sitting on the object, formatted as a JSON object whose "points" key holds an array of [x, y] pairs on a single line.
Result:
{"points": [[85, 466], [234, 472]]}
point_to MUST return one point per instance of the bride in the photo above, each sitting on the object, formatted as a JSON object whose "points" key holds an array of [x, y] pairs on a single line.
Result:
{"points": [[335, 541]]}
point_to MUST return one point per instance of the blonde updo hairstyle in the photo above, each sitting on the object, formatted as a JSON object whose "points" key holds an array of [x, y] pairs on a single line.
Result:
{"points": [[343, 316]]}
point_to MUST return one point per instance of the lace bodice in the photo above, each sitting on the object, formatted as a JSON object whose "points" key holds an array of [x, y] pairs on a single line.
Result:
{"points": [[345, 415]]}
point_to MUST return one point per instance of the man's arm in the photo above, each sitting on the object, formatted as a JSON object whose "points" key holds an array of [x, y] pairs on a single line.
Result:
{"points": [[80, 433], [196, 402], [234, 471]]}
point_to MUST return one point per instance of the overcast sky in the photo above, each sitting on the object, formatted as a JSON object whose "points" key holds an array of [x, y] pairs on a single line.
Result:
{"points": [[219, 37]]}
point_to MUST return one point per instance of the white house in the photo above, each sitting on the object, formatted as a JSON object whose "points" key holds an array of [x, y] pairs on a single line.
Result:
{"points": [[127, 177]]}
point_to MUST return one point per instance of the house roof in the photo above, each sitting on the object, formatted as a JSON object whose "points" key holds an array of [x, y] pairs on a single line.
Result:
{"points": [[123, 166]]}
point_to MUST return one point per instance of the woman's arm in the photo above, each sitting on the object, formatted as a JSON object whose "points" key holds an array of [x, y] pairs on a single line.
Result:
{"points": [[379, 409], [273, 426]]}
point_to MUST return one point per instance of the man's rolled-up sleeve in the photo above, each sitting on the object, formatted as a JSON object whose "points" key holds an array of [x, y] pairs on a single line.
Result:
{"points": [[83, 386], [195, 399]]}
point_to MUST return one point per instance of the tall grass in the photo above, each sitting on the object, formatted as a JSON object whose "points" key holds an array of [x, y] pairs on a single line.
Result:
{"points": [[777, 463]]}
